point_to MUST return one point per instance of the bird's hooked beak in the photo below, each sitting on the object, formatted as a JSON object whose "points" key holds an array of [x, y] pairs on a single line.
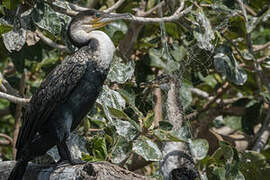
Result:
{"points": [[102, 19]]}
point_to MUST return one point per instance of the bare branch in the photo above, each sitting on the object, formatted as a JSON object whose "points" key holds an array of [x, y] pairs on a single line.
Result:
{"points": [[200, 93], [51, 43], [14, 99], [172, 18], [8, 141], [220, 93], [6, 87], [114, 7], [261, 47], [150, 11], [263, 134], [174, 106]]}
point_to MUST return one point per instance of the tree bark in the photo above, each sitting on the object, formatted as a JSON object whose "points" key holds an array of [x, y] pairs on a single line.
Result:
{"points": [[89, 171]]}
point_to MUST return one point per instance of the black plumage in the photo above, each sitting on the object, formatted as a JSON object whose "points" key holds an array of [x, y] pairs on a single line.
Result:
{"points": [[67, 94]]}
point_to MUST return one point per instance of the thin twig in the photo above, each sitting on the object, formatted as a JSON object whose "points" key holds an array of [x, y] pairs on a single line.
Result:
{"points": [[220, 93], [150, 11], [114, 7], [51, 43], [261, 47], [178, 14], [6, 87], [251, 11], [8, 138], [14, 99]]}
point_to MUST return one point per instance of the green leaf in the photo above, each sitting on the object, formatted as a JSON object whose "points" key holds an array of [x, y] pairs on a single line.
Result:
{"points": [[204, 33], [14, 40], [220, 173], [156, 61], [114, 27], [198, 148], [121, 150], [89, 158], [46, 18], [125, 129], [182, 134], [99, 147], [224, 153], [120, 72], [147, 149], [11, 4], [185, 95], [226, 64], [254, 21], [111, 98], [118, 113], [4, 28], [165, 125], [237, 176]]}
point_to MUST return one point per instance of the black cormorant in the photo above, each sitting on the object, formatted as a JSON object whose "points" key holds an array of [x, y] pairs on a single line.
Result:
{"points": [[68, 92]]}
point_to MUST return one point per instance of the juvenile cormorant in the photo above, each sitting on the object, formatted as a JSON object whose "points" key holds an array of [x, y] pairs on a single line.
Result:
{"points": [[68, 92]]}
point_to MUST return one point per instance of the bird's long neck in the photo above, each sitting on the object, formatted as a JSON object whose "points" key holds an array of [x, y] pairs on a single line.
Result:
{"points": [[103, 47]]}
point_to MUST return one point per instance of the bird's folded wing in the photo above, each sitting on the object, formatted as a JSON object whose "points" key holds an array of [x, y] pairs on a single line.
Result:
{"points": [[54, 90]]}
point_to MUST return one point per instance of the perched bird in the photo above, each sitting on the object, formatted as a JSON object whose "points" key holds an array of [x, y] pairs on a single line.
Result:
{"points": [[68, 92]]}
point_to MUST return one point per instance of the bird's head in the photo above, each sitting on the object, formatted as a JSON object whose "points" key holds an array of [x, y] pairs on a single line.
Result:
{"points": [[85, 22]]}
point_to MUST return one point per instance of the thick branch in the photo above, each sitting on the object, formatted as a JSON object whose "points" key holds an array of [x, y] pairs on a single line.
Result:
{"points": [[174, 107], [93, 171]]}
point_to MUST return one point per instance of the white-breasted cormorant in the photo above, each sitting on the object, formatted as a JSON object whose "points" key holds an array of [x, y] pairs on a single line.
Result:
{"points": [[67, 93]]}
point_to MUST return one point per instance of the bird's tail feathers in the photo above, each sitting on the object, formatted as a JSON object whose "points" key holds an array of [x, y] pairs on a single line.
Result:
{"points": [[18, 171]]}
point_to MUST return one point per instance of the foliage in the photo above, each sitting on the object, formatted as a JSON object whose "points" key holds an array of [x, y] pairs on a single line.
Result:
{"points": [[206, 49]]}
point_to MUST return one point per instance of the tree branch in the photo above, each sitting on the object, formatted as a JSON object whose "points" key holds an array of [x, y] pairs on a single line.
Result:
{"points": [[178, 13], [8, 140], [51, 43], [150, 11], [261, 47], [14, 99], [220, 93], [263, 134], [95, 170], [114, 7]]}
